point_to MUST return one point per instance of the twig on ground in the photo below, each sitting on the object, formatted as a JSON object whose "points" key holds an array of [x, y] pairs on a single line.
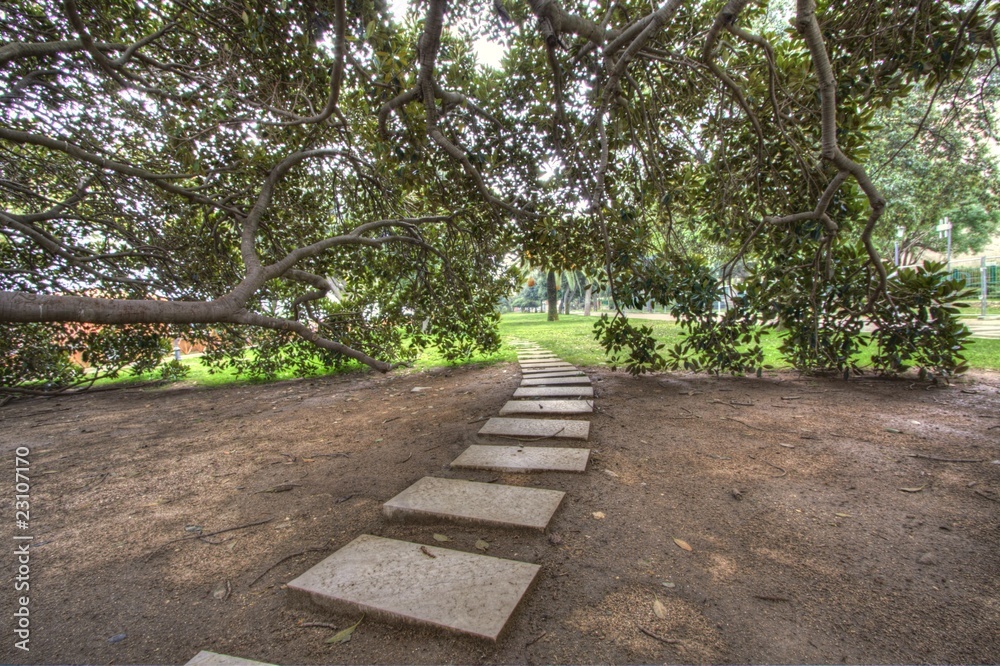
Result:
{"points": [[285, 559], [669, 641], [321, 625], [784, 472], [202, 536], [405, 459], [951, 460], [729, 418], [767, 597], [984, 495], [536, 639]]}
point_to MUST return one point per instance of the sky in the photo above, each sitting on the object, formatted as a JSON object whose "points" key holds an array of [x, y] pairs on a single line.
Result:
{"points": [[488, 53]]}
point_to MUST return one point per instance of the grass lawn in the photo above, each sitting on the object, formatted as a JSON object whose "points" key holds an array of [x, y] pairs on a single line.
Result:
{"points": [[571, 338]]}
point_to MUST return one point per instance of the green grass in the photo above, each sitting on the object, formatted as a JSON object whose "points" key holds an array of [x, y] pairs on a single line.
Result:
{"points": [[571, 338]]}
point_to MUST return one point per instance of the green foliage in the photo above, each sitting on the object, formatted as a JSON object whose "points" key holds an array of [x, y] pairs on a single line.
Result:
{"points": [[919, 325], [36, 355], [629, 346]]}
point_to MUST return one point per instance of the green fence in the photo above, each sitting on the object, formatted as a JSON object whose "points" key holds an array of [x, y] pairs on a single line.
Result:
{"points": [[983, 276]]}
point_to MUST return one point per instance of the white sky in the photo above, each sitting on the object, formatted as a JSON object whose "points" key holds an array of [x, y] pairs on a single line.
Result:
{"points": [[488, 53]]}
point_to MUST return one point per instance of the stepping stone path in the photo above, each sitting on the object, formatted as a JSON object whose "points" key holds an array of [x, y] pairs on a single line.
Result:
{"points": [[458, 591], [476, 503], [522, 459], [399, 580], [206, 658], [554, 392], [548, 407]]}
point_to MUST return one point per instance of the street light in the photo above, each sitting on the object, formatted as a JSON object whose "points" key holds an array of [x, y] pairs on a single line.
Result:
{"points": [[944, 229]]}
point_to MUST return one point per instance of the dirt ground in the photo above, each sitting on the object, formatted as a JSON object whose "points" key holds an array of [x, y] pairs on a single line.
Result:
{"points": [[804, 548]]}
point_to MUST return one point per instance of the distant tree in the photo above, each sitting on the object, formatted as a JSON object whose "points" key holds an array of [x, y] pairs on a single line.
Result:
{"points": [[938, 158]]}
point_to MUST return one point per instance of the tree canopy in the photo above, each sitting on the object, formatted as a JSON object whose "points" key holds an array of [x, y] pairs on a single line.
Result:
{"points": [[328, 180]]}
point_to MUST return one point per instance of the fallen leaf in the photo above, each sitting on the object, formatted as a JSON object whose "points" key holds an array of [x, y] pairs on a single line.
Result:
{"points": [[599, 515], [787, 446], [344, 635], [669, 585], [482, 545], [659, 609], [683, 544], [441, 537], [843, 515], [898, 432], [913, 490]]}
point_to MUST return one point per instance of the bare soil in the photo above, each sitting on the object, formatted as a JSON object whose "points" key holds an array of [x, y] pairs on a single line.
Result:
{"points": [[804, 548]]}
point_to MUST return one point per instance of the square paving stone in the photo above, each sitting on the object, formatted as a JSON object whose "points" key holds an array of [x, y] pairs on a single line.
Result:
{"points": [[540, 428], [474, 503], [544, 364], [523, 459], [545, 407], [554, 373], [206, 658], [426, 585], [554, 392], [554, 381], [547, 367]]}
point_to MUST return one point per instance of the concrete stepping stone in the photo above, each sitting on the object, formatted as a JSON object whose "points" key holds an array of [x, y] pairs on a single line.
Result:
{"points": [[545, 407], [536, 428], [554, 373], [476, 503], [426, 585], [539, 359], [523, 459], [554, 381], [554, 392], [546, 367], [546, 364], [206, 658]]}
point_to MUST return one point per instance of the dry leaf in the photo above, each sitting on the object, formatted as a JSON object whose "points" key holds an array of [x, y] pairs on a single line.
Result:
{"points": [[482, 545], [913, 490], [344, 635], [659, 609], [441, 537], [683, 544], [843, 515], [599, 515]]}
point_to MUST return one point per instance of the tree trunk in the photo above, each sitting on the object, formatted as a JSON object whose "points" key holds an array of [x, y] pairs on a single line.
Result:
{"points": [[553, 296], [586, 300], [567, 294]]}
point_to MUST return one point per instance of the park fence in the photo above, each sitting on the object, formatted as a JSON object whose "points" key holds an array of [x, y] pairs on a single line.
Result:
{"points": [[982, 275]]}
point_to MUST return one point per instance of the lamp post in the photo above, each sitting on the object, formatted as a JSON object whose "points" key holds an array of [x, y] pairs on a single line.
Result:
{"points": [[944, 230]]}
